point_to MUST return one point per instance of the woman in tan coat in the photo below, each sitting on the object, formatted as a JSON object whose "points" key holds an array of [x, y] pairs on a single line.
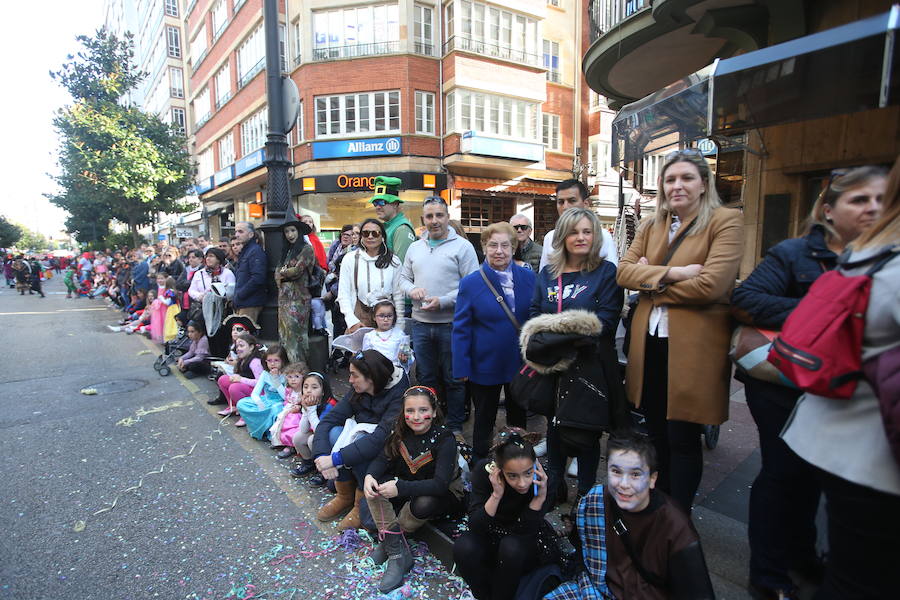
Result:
{"points": [[678, 367]]}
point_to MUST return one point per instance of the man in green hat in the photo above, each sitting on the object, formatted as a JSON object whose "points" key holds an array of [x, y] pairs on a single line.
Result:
{"points": [[400, 232]]}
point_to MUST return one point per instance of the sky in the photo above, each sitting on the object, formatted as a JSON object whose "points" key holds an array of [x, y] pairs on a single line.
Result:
{"points": [[35, 38]]}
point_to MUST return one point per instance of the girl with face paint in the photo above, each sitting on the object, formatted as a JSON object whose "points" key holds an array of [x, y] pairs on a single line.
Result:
{"points": [[508, 537], [416, 478], [642, 525]]}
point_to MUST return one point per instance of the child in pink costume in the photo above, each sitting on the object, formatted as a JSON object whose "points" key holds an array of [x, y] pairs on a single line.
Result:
{"points": [[246, 372]]}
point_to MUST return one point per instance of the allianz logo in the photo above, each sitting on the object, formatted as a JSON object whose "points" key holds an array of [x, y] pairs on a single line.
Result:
{"points": [[391, 146]]}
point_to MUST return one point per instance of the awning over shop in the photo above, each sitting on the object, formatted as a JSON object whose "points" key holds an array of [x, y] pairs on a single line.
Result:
{"points": [[511, 186], [843, 70], [847, 69], [213, 208], [679, 111]]}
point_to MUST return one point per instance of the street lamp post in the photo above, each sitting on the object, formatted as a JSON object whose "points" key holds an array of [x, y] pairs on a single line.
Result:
{"points": [[278, 191]]}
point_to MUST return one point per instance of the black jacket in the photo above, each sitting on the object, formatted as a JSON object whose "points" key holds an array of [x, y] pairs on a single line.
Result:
{"points": [[780, 281], [570, 344], [382, 408]]}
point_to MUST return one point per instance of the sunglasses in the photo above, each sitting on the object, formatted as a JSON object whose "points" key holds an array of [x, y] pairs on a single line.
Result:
{"points": [[379, 203], [521, 227], [685, 152], [370, 233], [835, 175]]}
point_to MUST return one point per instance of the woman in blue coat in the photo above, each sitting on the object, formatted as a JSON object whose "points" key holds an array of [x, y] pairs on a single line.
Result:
{"points": [[485, 340]]}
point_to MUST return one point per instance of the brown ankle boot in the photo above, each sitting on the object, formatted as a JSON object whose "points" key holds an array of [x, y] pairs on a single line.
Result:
{"points": [[340, 503], [352, 520]]}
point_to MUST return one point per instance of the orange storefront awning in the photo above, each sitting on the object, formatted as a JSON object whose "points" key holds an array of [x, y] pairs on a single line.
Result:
{"points": [[509, 186]]}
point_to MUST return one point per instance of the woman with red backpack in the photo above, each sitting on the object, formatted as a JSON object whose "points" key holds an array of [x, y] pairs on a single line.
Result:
{"points": [[782, 527], [854, 443]]}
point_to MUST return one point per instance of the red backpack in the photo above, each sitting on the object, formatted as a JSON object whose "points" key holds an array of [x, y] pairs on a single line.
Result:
{"points": [[820, 346]]}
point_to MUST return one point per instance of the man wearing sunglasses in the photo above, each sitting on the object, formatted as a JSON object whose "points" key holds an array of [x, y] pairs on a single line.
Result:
{"points": [[400, 232], [571, 193], [529, 250]]}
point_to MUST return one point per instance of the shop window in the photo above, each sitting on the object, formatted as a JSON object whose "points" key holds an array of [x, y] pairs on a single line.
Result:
{"points": [[545, 216], [730, 177], [479, 212]]}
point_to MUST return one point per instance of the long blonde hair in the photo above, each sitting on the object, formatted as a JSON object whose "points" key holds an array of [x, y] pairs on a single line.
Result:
{"points": [[838, 183], [565, 226], [886, 229], [709, 199]]}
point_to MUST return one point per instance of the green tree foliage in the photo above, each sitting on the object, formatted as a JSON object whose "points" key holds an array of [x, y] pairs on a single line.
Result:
{"points": [[10, 233], [31, 240], [117, 161]]}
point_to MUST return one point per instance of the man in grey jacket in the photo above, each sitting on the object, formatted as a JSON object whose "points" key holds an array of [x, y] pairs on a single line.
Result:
{"points": [[431, 272]]}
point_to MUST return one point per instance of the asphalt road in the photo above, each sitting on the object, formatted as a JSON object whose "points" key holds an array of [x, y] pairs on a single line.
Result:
{"points": [[140, 491]]}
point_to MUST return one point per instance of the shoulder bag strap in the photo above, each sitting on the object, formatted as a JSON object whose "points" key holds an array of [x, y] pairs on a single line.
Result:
{"points": [[559, 292], [500, 300], [622, 531], [677, 242], [356, 274]]}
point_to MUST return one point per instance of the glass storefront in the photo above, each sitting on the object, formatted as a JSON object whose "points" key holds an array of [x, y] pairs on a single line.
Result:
{"points": [[333, 210]]}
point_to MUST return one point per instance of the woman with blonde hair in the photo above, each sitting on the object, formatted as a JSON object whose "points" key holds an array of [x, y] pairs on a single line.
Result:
{"points": [[683, 261], [782, 528], [853, 443], [576, 299]]}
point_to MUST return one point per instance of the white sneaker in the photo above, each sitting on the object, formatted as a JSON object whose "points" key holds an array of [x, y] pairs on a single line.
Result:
{"points": [[540, 449], [114, 328], [572, 471]]}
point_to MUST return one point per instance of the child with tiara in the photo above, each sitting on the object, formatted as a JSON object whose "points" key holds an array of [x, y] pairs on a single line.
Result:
{"points": [[508, 537]]}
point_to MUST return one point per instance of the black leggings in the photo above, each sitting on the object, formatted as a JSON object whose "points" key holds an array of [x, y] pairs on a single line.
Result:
{"points": [[486, 398], [493, 568], [678, 448]]}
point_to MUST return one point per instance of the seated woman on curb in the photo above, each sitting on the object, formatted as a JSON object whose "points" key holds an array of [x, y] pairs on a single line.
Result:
{"points": [[354, 432], [635, 541], [508, 537]]}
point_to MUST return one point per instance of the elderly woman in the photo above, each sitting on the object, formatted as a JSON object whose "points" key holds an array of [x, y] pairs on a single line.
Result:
{"points": [[781, 527], [683, 261], [370, 409], [292, 278], [577, 295], [491, 306]]}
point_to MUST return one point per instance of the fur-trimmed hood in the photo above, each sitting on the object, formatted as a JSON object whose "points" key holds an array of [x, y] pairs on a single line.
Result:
{"points": [[550, 343]]}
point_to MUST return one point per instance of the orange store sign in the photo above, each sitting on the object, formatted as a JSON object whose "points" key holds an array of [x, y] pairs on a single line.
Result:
{"points": [[356, 182]]}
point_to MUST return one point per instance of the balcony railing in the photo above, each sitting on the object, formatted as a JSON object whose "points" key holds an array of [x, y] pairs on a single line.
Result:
{"points": [[466, 44], [423, 48], [298, 59], [202, 121], [355, 51], [259, 66], [553, 76], [606, 14], [220, 102]]}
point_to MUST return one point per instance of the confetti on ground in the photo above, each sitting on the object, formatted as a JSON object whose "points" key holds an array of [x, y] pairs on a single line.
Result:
{"points": [[79, 526], [142, 352], [89, 391], [142, 412]]}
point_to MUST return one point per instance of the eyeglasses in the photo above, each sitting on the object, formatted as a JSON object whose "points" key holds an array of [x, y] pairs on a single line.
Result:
{"points": [[379, 203], [684, 152], [495, 246], [372, 233], [521, 227], [387, 316], [835, 175]]}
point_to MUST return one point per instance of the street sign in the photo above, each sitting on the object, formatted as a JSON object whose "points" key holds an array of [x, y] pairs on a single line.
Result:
{"points": [[290, 96], [184, 232]]}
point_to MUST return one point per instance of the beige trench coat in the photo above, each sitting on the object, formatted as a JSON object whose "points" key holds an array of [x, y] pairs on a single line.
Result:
{"points": [[699, 319]]}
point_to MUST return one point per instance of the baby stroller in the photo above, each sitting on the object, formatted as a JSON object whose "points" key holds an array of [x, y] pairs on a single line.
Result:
{"points": [[171, 351]]}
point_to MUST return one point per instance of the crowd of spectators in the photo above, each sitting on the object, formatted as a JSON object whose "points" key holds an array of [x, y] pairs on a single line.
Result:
{"points": [[448, 323]]}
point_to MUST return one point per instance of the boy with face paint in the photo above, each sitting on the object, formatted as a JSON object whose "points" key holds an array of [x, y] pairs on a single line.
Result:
{"points": [[651, 549]]}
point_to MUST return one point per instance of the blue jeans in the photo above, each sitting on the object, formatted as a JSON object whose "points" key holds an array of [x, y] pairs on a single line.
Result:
{"points": [[434, 368]]}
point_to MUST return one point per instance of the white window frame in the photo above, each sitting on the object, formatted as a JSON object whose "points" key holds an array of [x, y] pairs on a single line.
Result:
{"points": [[357, 114], [254, 130], [205, 165], [223, 76], [356, 31], [493, 31], [425, 113], [251, 56], [298, 127], [652, 167], [179, 119], [199, 47], [173, 41], [550, 127], [176, 82], [172, 8], [423, 29], [550, 51], [202, 107], [517, 119], [226, 150], [219, 13]]}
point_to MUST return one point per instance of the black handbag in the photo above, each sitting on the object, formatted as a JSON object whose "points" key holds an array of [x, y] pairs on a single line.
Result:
{"points": [[533, 391], [582, 408]]}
